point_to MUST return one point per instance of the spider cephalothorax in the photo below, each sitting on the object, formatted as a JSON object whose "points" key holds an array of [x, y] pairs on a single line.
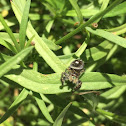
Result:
{"points": [[73, 72]]}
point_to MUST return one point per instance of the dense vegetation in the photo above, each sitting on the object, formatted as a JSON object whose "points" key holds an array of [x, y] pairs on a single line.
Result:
{"points": [[38, 41]]}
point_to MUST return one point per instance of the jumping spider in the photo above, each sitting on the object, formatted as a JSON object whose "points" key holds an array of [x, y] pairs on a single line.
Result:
{"points": [[73, 72]]}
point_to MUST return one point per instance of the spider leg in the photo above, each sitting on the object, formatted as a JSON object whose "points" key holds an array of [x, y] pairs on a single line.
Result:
{"points": [[82, 71], [77, 86], [64, 77]]}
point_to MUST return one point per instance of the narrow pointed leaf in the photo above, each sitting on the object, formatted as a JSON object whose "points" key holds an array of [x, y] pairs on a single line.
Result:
{"points": [[118, 10], [109, 36], [4, 57], [114, 93], [8, 65], [61, 102], [90, 21], [6, 37], [48, 42], [7, 45], [52, 60], [23, 25], [112, 116], [15, 105], [91, 54], [10, 33], [77, 10], [77, 122], [10, 22], [42, 107], [51, 44], [59, 119], [29, 41], [44, 84]]}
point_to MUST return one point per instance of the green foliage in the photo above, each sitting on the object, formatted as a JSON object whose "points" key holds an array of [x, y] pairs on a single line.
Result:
{"points": [[40, 41], [59, 119]]}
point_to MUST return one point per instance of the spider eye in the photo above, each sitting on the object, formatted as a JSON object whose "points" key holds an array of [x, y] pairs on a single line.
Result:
{"points": [[77, 64]]}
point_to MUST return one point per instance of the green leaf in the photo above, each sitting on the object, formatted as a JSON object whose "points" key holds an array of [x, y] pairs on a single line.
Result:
{"points": [[48, 42], [10, 22], [61, 102], [23, 25], [118, 30], [42, 107], [112, 116], [7, 45], [118, 10], [5, 81], [91, 54], [80, 51], [20, 3], [6, 37], [4, 92], [51, 44], [85, 12], [52, 60], [8, 65], [95, 65], [29, 41], [114, 93], [109, 36], [4, 57], [91, 20], [82, 48], [92, 99], [50, 8], [49, 26], [77, 10], [15, 105], [77, 122], [44, 84], [10, 33], [35, 16], [104, 5], [56, 6], [59, 120]]}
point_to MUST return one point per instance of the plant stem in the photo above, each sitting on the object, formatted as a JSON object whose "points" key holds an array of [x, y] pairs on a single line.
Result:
{"points": [[91, 20]]}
